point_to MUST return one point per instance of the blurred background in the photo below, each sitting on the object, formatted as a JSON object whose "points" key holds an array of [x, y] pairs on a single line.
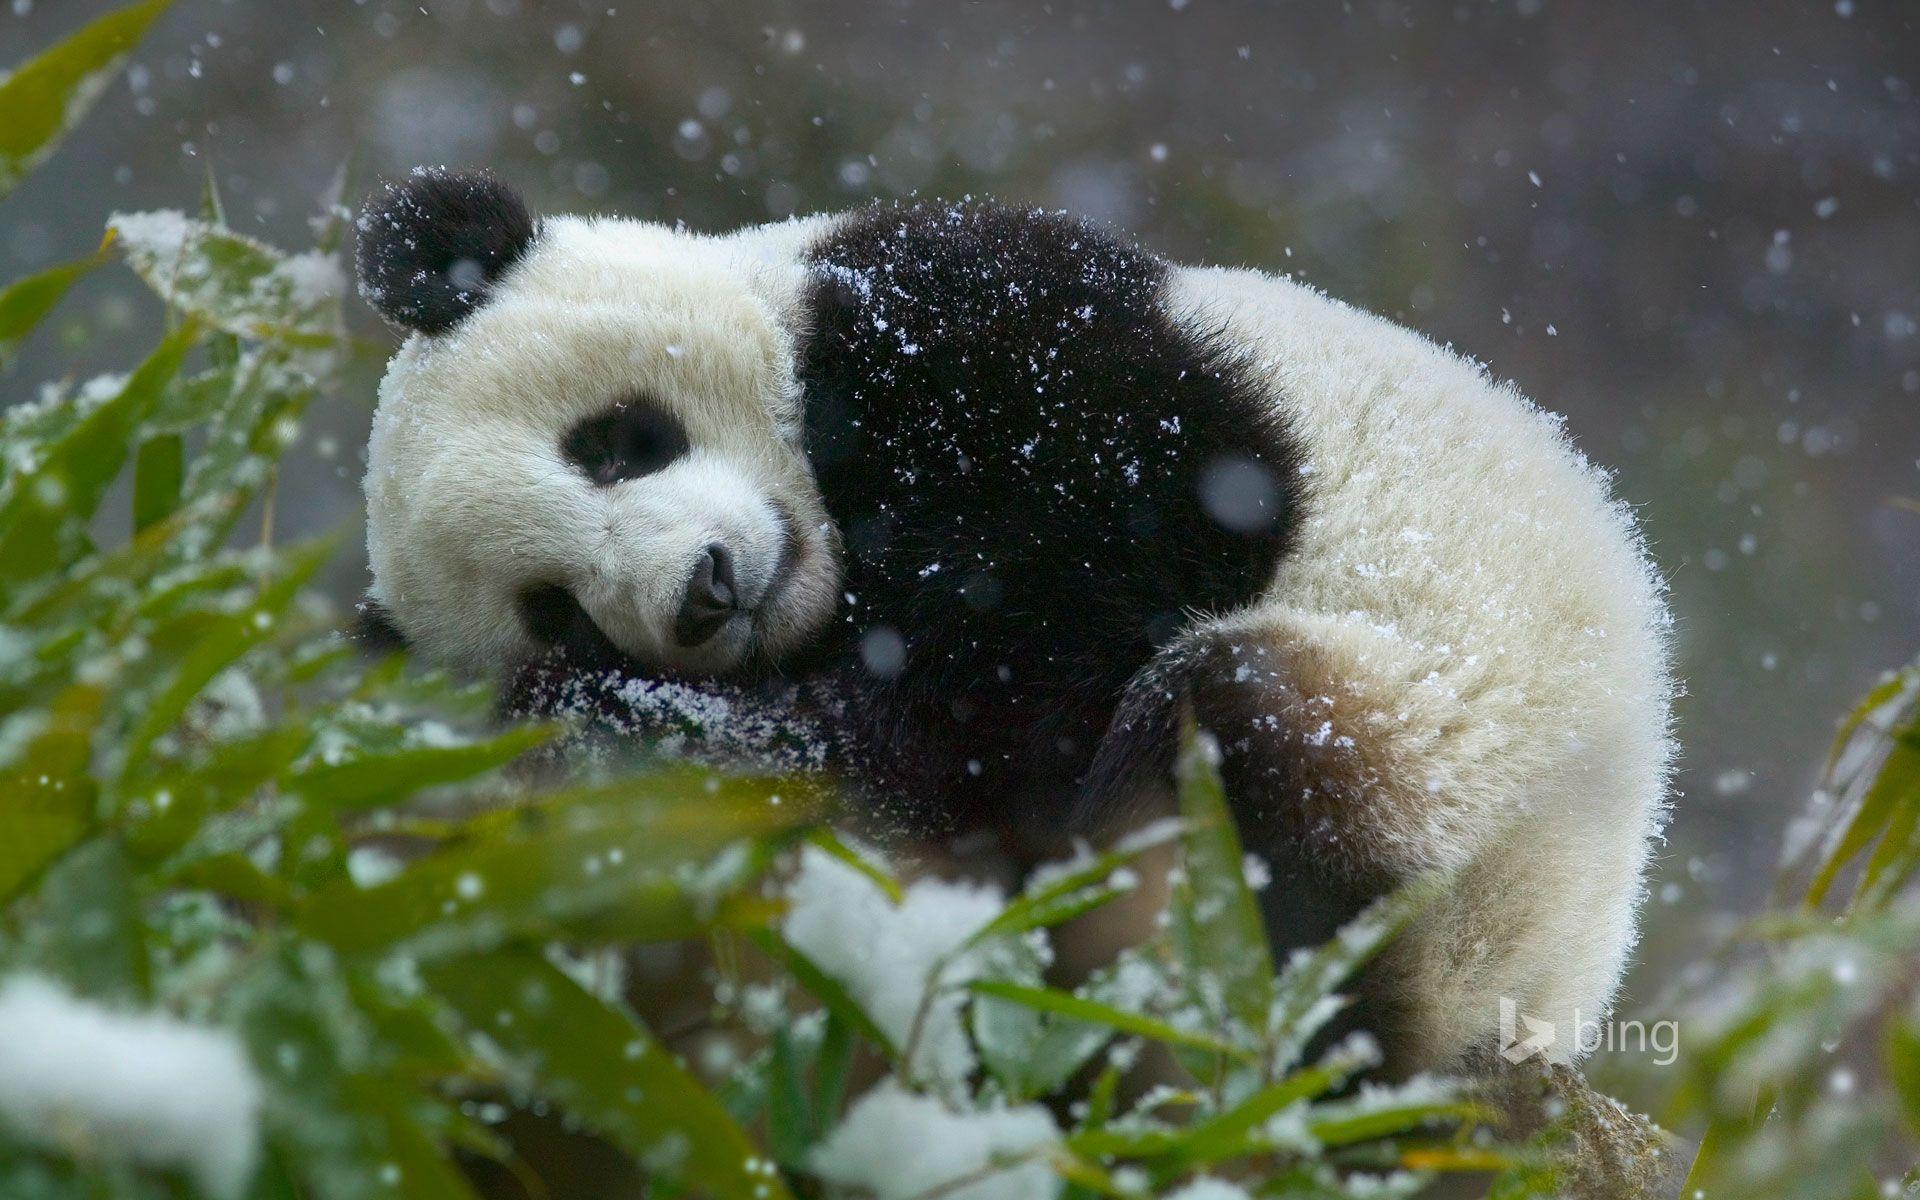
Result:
{"points": [[1694, 229]]}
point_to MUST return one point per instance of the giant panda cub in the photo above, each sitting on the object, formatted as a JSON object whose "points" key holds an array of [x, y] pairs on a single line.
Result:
{"points": [[994, 493]]}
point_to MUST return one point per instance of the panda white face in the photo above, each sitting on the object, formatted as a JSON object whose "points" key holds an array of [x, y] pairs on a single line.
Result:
{"points": [[601, 451]]}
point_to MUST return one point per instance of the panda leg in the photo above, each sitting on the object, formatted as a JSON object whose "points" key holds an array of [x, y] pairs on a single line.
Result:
{"points": [[1298, 778]]}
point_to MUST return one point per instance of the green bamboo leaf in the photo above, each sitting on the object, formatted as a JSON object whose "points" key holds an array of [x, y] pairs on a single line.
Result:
{"points": [[1903, 1066], [1346, 1123], [600, 1065], [47, 96], [24, 304], [627, 871], [49, 792], [830, 842], [1223, 1136], [158, 470], [333, 1109], [250, 428], [1894, 860], [43, 518], [376, 779], [790, 1123], [236, 877], [1066, 1004], [193, 400], [1217, 927], [226, 638], [824, 988], [1879, 695], [1030, 1052], [830, 1073], [232, 282], [87, 928], [1077, 891], [1898, 776], [106, 582], [423, 1037]]}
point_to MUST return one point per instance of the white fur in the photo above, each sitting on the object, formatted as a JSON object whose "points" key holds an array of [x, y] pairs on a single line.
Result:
{"points": [[1477, 612], [1485, 620], [470, 502]]}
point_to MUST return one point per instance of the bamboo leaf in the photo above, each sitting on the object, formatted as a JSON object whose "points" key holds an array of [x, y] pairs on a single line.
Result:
{"points": [[1300, 1007], [332, 1112], [1217, 927], [42, 521], [823, 987], [1894, 860], [624, 871], [1875, 698], [1898, 776], [1077, 891], [49, 793], [830, 1072], [1903, 1066], [597, 1062], [232, 282], [381, 778], [227, 638], [89, 930], [47, 96], [1066, 1004], [26, 303], [830, 842], [158, 470]]}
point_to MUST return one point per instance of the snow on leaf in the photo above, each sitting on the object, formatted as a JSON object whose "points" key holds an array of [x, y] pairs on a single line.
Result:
{"points": [[233, 282], [139, 1086], [899, 1145], [899, 963]]}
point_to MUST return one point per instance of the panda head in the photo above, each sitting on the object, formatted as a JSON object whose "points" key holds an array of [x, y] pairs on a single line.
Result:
{"points": [[592, 439]]}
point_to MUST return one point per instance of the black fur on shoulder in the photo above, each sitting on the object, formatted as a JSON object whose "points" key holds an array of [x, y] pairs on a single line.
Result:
{"points": [[431, 245], [1039, 475]]}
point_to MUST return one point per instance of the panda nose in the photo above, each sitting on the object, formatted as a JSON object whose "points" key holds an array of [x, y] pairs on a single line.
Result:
{"points": [[710, 600]]}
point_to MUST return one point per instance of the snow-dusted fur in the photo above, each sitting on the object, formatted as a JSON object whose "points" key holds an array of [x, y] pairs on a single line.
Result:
{"points": [[1487, 625], [470, 503], [1459, 662]]}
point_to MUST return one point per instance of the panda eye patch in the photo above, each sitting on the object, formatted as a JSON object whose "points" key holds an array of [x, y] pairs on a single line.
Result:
{"points": [[635, 438]]}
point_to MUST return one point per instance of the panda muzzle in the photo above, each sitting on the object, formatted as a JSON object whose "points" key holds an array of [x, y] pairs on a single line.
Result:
{"points": [[711, 598]]}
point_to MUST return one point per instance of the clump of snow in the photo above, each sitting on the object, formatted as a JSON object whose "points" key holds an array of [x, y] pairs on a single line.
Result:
{"points": [[229, 707], [157, 237], [1209, 1188], [141, 1086], [311, 280], [886, 955], [897, 1144]]}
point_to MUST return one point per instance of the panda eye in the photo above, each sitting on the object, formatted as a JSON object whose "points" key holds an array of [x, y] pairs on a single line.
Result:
{"points": [[630, 440]]}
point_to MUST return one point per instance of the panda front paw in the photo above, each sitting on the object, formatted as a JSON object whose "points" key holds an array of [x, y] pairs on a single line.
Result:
{"points": [[618, 714]]}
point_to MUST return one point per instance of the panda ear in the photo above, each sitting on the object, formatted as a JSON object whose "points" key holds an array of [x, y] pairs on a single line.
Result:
{"points": [[431, 245]]}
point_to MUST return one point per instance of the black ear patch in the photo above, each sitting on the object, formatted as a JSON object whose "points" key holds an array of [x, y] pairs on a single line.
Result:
{"points": [[432, 244]]}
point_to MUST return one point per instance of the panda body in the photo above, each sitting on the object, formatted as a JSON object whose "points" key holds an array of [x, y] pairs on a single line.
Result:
{"points": [[1010, 492]]}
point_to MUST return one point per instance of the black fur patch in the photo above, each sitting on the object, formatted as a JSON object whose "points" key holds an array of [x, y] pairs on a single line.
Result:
{"points": [[374, 629], [1294, 774], [1294, 777], [430, 245], [1014, 439]]}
